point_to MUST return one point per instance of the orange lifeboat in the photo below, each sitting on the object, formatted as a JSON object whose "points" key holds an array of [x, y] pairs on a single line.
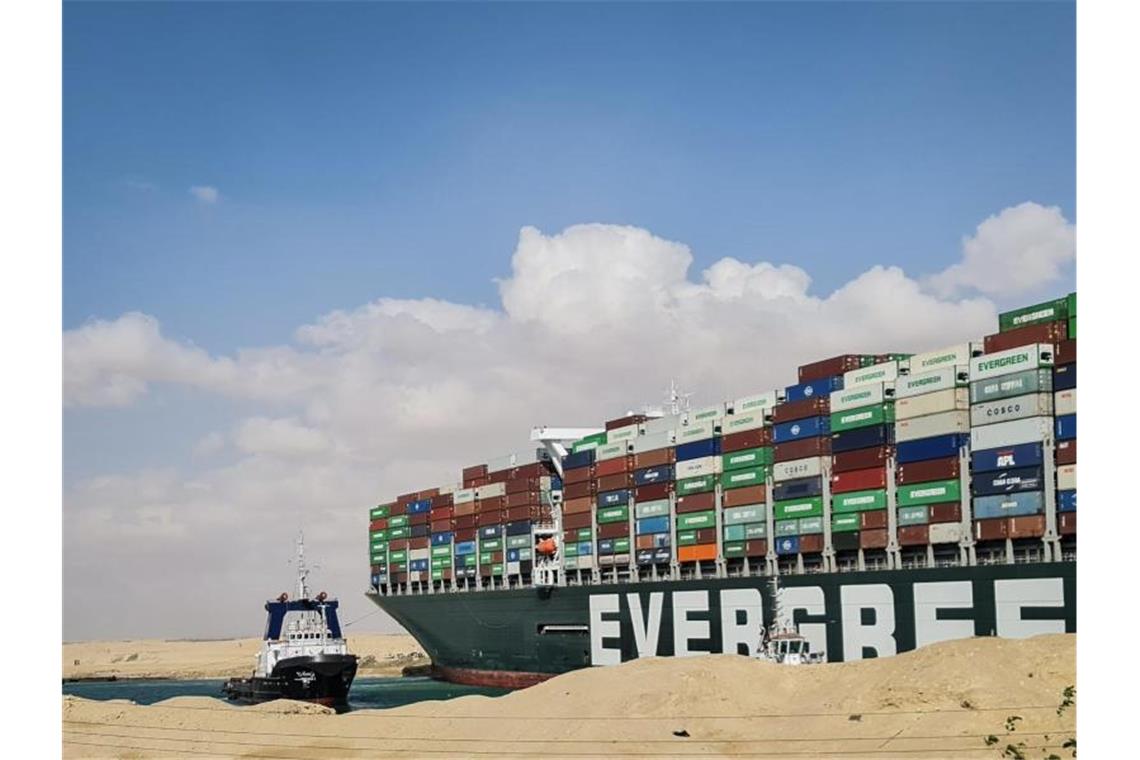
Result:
{"points": [[546, 546]]}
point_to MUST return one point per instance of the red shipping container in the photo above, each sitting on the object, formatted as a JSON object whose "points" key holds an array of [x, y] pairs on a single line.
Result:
{"points": [[421, 518], [1067, 523], [404, 499], [802, 449], [577, 475], [475, 482], [653, 492], [615, 482], [746, 439], [613, 530], [1032, 526], [521, 499], [578, 520], [873, 520], [464, 521], [399, 509], [1066, 352], [533, 470], [861, 459], [521, 485], [698, 502], [645, 542], [631, 419], [738, 497], [875, 538], [613, 466], [575, 506], [442, 500], [419, 542], [757, 547], [859, 480], [811, 544], [1067, 452], [442, 513], [441, 526], [578, 490], [499, 476], [526, 511], [928, 470], [378, 524], [483, 519], [798, 410], [1046, 332], [475, 471], [655, 458], [467, 533], [466, 508], [991, 530], [491, 503], [698, 553], [914, 535], [836, 365], [706, 536], [944, 513]]}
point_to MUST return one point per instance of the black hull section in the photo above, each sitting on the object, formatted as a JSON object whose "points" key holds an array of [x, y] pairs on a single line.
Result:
{"points": [[323, 679], [522, 636]]}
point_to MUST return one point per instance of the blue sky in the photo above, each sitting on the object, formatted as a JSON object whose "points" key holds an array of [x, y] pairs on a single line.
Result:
{"points": [[382, 149]]}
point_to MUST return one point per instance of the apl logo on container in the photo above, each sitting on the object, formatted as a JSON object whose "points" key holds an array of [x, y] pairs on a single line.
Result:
{"points": [[785, 544], [796, 428], [808, 391]]}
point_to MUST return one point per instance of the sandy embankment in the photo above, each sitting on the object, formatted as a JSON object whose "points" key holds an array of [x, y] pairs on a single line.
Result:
{"points": [[939, 702], [389, 653]]}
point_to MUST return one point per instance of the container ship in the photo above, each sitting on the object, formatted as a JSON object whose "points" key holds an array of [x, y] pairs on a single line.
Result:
{"points": [[899, 499]]}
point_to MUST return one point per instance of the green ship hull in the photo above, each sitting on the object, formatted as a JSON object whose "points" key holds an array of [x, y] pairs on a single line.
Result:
{"points": [[519, 637]]}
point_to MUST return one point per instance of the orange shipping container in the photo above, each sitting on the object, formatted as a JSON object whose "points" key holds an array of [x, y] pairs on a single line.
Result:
{"points": [[613, 466], [695, 553], [577, 506], [738, 497]]}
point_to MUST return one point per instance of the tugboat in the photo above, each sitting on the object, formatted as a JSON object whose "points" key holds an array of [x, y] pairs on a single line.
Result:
{"points": [[783, 643], [303, 655]]}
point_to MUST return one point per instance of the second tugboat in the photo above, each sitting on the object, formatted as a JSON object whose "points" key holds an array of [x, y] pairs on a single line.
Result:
{"points": [[303, 655]]}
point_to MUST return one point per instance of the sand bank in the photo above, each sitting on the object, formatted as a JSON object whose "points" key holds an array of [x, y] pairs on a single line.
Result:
{"points": [[938, 702]]}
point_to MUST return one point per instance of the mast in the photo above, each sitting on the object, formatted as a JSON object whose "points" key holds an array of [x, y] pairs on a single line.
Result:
{"points": [[302, 569]]}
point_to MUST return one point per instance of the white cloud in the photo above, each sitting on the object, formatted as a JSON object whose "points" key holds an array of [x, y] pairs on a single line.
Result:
{"points": [[1017, 251], [399, 394], [205, 194], [209, 444]]}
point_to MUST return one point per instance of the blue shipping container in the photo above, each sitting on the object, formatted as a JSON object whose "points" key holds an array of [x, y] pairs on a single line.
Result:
{"points": [[418, 531], [419, 507], [606, 546], [647, 525], [512, 555], [1065, 377], [1066, 427], [798, 488], [650, 475], [697, 449], [579, 459], [788, 545], [813, 388], [440, 539], [465, 547], [491, 531], [614, 498], [518, 528], [862, 438], [417, 564], [585, 547], [555, 483], [1067, 501], [810, 427], [1019, 455], [1008, 481], [937, 447], [1009, 505]]}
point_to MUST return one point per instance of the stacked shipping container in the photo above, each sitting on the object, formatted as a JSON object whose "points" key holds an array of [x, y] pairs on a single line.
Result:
{"points": [[746, 468]]}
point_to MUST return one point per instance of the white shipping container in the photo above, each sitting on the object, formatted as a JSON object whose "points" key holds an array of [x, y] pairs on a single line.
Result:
{"points": [[611, 451], [945, 533], [513, 568], [490, 490], [705, 414], [464, 495], [695, 431], [419, 553], [448, 489], [1028, 430], [954, 356], [863, 395], [653, 441], [1016, 408], [876, 373], [655, 508], [1065, 402], [695, 468], [928, 382], [738, 423], [798, 468], [586, 562], [949, 400], [931, 425], [502, 463], [756, 403], [658, 425], [626, 433], [1066, 477], [1034, 356]]}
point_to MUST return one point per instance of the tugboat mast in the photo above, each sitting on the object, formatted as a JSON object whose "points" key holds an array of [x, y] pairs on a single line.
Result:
{"points": [[302, 568]]}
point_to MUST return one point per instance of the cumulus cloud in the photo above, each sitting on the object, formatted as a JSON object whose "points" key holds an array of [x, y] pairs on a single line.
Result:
{"points": [[205, 194], [398, 394], [1015, 251]]}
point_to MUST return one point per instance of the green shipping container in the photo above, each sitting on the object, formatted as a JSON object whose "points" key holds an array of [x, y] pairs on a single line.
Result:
{"points": [[402, 532], [734, 550], [381, 511], [1049, 311], [859, 501], [570, 550], [934, 492], [491, 545], [484, 558], [438, 562], [686, 537], [787, 528], [914, 515], [621, 545], [697, 520], [441, 551], [379, 546], [845, 523], [470, 560], [524, 554], [755, 530], [746, 514], [379, 535], [796, 508], [518, 542], [614, 514], [657, 508], [400, 555], [733, 532], [589, 442], [585, 534], [864, 416], [748, 476], [810, 525], [1071, 301], [689, 486], [1072, 328], [397, 521], [436, 574], [496, 569], [378, 559], [746, 458]]}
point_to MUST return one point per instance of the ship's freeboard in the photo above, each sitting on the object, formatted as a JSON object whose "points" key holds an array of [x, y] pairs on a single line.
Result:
{"points": [[902, 499]]}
